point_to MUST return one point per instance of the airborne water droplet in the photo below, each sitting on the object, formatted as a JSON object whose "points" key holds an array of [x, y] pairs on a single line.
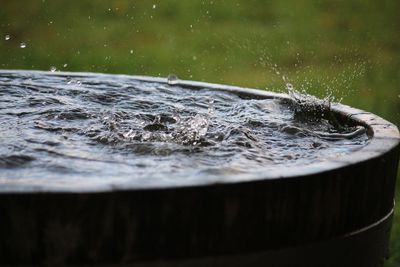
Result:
{"points": [[154, 6], [172, 79], [289, 87], [22, 45], [7, 37]]}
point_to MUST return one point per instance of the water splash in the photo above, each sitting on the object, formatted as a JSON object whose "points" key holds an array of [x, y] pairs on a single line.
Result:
{"points": [[307, 104], [163, 128], [190, 131], [327, 81]]}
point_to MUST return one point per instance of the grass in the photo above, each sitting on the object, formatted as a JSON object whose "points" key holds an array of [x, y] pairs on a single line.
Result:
{"points": [[347, 48]]}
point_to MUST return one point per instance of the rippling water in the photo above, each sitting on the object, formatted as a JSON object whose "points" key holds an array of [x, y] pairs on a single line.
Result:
{"points": [[86, 130]]}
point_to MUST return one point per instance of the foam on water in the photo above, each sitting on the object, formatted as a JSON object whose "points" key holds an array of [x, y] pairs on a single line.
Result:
{"points": [[65, 130]]}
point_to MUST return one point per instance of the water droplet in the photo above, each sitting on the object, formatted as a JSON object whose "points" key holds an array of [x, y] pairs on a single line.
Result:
{"points": [[172, 79], [289, 87], [65, 65], [7, 37], [53, 69], [22, 45], [154, 6], [131, 51], [210, 106]]}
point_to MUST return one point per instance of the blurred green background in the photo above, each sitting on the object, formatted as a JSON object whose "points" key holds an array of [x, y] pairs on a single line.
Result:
{"points": [[346, 48]]}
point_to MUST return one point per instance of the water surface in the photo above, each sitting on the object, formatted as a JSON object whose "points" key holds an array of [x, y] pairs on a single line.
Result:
{"points": [[80, 131]]}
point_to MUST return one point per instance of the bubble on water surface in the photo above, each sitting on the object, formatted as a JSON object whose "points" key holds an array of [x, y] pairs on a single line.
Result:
{"points": [[7, 37], [172, 79], [22, 45]]}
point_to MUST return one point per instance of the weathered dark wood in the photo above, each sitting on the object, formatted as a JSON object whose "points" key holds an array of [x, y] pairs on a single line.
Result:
{"points": [[125, 226]]}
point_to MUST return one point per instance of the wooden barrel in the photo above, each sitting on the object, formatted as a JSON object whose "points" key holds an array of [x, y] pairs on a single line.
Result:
{"points": [[333, 213]]}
